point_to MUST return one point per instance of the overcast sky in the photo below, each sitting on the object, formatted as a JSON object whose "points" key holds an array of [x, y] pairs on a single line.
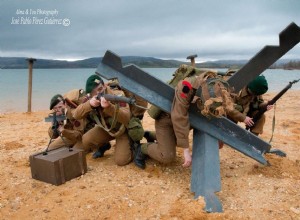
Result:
{"points": [[228, 29]]}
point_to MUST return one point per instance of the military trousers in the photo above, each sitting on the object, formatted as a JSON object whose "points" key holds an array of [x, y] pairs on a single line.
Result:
{"points": [[164, 150], [97, 137], [58, 142], [69, 138]]}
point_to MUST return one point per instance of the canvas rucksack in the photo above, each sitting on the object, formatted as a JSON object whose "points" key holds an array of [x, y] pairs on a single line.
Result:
{"points": [[213, 97], [181, 73]]}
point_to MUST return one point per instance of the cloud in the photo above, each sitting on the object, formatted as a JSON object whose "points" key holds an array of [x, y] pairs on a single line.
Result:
{"points": [[167, 29]]}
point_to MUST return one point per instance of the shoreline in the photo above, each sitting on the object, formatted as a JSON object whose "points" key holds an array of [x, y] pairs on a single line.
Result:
{"points": [[37, 108]]}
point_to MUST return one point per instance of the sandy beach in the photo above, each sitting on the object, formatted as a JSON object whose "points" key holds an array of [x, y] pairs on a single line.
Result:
{"points": [[249, 189]]}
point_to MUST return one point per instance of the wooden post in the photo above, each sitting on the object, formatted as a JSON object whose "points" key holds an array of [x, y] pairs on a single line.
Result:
{"points": [[30, 64], [192, 58]]}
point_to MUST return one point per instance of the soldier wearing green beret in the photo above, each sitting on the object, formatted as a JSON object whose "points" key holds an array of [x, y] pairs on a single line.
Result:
{"points": [[250, 99], [110, 119], [70, 130]]}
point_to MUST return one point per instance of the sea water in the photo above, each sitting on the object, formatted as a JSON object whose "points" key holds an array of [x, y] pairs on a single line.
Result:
{"points": [[48, 82]]}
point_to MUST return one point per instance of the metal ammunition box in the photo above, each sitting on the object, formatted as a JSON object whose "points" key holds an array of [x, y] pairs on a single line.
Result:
{"points": [[58, 166]]}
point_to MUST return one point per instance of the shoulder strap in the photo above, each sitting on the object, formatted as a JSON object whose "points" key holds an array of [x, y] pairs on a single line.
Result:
{"points": [[103, 124], [273, 125]]}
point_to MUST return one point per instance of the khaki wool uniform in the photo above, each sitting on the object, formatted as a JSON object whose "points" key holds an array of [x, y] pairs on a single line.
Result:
{"points": [[98, 136], [72, 129], [247, 101], [173, 129], [164, 150]]}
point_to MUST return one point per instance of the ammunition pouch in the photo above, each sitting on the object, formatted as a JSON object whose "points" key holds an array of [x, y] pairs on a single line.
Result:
{"points": [[135, 129], [154, 112]]}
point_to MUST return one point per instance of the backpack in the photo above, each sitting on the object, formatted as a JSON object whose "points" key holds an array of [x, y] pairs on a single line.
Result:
{"points": [[213, 97], [181, 73]]}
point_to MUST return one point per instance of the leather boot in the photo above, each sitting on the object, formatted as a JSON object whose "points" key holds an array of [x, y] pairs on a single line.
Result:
{"points": [[139, 157], [150, 136], [101, 150]]}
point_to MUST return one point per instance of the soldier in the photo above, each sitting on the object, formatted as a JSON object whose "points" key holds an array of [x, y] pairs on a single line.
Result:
{"points": [[69, 130], [249, 100], [212, 97], [111, 119]]}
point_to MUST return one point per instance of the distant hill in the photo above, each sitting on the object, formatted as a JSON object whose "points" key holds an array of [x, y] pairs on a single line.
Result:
{"points": [[143, 62], [21, 63], [233, 64]]}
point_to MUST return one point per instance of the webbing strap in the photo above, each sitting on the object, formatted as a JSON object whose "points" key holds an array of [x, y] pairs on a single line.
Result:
{"points": [[273, 125], [114, 122], [103, 125], [205, 91]]}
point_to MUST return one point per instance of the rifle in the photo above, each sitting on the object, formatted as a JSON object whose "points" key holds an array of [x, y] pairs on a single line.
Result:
{"points": [[263, 109], [71, 103], [55, 118], [55, 125], [117, 99]]}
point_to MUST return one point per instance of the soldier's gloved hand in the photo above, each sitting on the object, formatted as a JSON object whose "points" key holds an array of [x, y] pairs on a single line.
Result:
{"points": [[104, 102], [94, 102], [187, 158], [248, 121]]}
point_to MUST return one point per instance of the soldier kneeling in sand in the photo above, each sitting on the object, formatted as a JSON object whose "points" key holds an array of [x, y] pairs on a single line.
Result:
{"points": [[250, 100], [68, 132], [110, 119]]}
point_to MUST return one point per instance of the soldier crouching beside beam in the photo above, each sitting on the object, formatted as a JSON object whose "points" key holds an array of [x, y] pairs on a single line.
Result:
{"points": [[213, 98], [249, 100], [110, 119]]}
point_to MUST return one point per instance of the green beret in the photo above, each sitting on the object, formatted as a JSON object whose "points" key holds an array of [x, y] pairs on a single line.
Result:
{"points": [[92, 82], [55, 100], [259, 85]]}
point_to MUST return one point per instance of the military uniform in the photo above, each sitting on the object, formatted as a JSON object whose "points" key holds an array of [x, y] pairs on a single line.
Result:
{"points": [[100, 134], [164, 150], [249, 100], [72, 129], [173, 129], [181, 103], [249, 104]]}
